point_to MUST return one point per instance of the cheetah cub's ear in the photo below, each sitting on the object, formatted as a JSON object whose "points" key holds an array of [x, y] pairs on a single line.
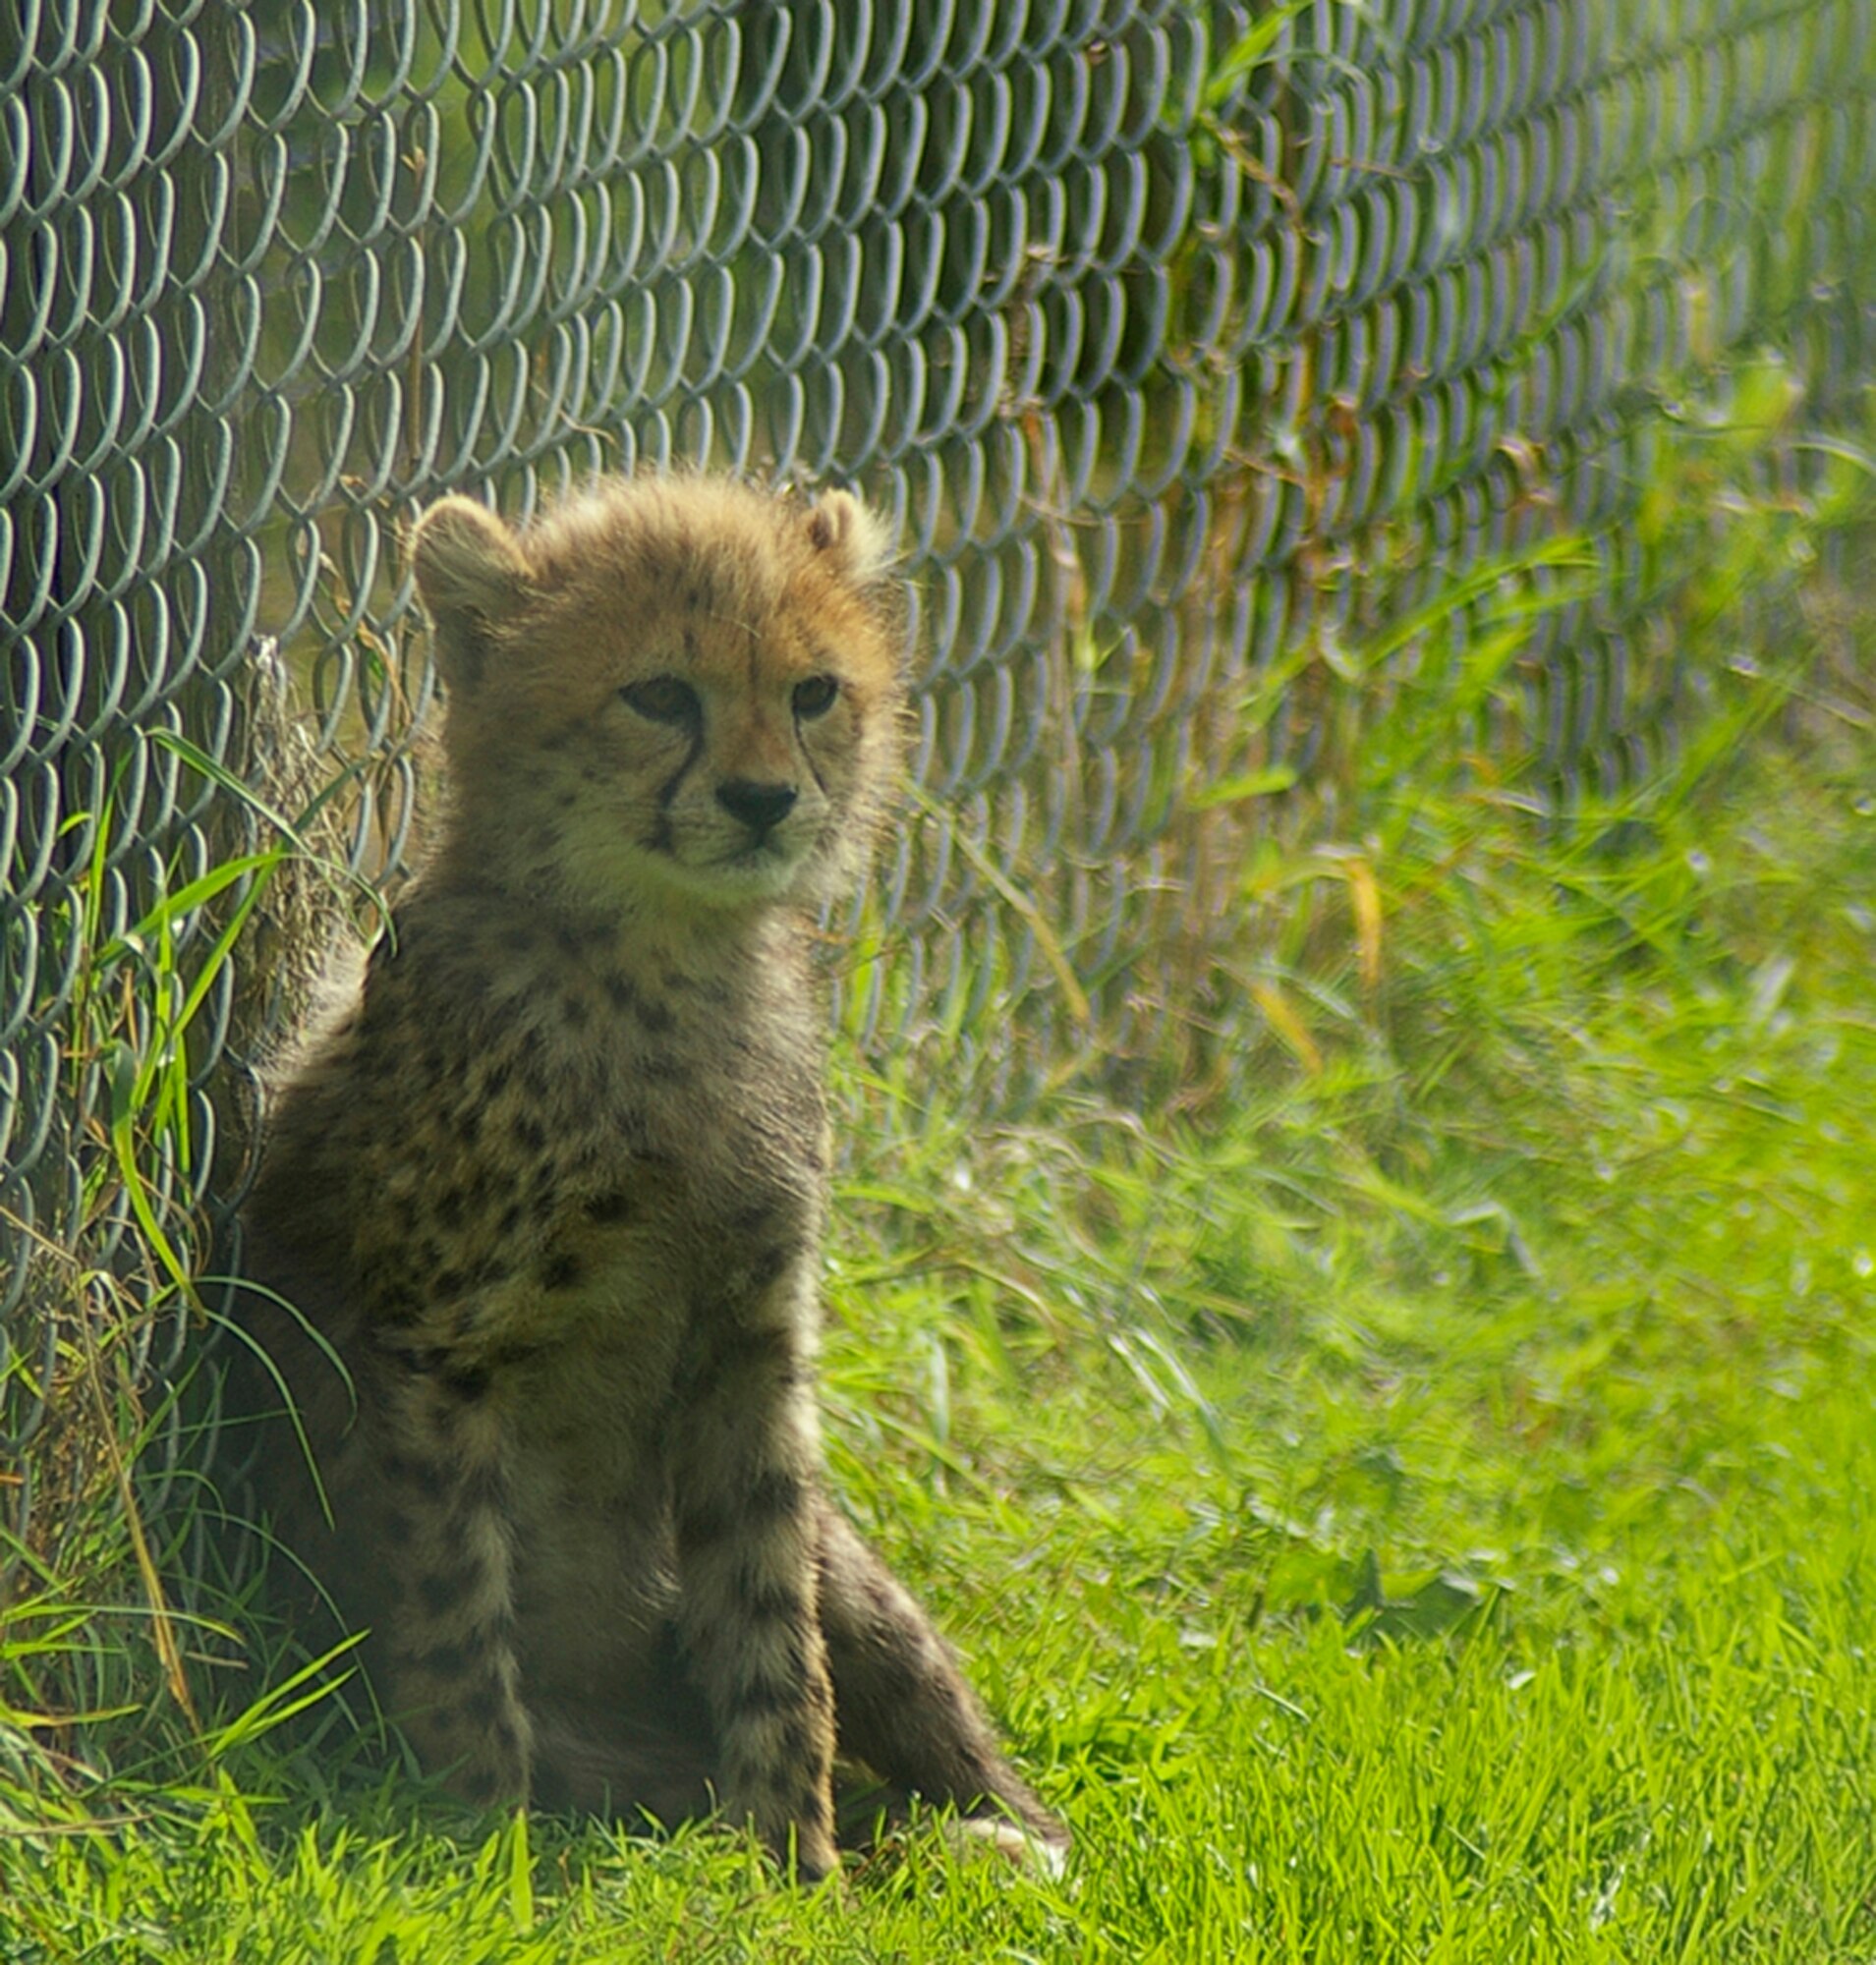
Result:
{"points": [[859, 541], [471, 576]]}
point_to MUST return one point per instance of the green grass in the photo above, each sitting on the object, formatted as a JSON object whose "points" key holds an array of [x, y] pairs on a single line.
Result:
{"points": [[1422, 1512]]}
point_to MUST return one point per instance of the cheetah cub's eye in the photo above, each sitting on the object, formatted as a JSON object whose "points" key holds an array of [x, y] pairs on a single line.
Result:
{"points": [[815, 697], [662, 699]]}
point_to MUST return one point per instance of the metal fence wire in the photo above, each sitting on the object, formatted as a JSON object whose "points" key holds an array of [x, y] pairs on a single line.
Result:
{"points": [[1189, 346]]}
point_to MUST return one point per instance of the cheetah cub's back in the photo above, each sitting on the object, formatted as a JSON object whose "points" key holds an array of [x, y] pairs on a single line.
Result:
{"points": [[548, 1198]]}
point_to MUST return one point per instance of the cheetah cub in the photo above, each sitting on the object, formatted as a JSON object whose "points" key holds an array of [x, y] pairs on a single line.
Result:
{"points": [[535, 1234]]}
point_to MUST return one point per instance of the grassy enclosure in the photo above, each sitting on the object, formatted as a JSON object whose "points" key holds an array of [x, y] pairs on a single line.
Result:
{"points": [[1353, 1291]]}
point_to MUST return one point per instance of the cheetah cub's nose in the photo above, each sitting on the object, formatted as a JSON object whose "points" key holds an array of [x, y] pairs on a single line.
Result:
{"points": [[761, 808]]}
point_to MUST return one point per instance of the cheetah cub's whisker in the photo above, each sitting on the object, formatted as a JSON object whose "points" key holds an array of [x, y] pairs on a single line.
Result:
{"points": [[547, 1196]]}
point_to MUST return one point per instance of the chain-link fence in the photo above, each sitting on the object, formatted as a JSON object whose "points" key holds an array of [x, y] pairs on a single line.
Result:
{"points": [[1190, 347]]}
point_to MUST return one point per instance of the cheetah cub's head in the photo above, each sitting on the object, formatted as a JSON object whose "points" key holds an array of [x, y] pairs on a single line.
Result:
{"points": [[665, 691]]}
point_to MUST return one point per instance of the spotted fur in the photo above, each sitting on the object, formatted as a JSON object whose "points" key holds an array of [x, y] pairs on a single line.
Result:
{"points": [[547, 1194]]}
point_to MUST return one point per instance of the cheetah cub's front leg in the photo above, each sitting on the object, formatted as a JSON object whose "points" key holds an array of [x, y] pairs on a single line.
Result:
{"points": [[745, 1513], [449, 1627]]}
